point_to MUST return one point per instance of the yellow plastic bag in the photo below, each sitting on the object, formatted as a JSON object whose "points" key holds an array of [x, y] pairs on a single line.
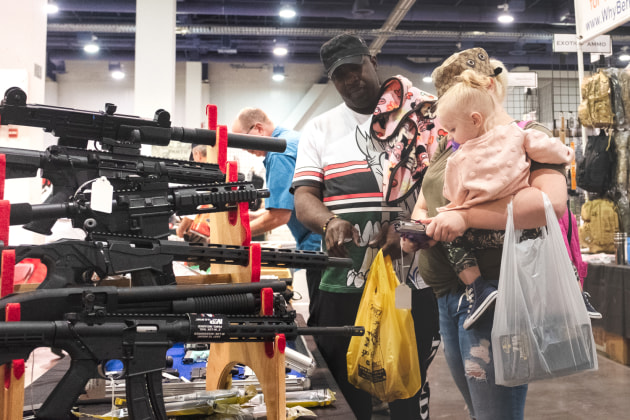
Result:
{"points": [[384, 362]]}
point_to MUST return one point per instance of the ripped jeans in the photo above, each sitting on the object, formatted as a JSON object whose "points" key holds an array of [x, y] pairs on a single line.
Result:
{"points": [[469, 357]]}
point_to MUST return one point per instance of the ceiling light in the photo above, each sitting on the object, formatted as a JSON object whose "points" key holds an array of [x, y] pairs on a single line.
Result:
{"points": [[280, 50], [624, 57], [52, 8], [505, 16], [116, 71], [118, 75], [361, 8], [227, 50], [91, 48], [427, 79], [287, 11], [278, 73], [281, 46]]}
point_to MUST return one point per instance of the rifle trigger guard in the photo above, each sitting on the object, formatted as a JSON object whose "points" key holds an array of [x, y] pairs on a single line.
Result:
{"points": [[115, 376]]}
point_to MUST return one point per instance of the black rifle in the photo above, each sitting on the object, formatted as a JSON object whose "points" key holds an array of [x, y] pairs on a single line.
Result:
{"points": [[73, 262], [226, 299], [140, 341], [116, 133], [68, 165], [143, 211], [69, 168]]}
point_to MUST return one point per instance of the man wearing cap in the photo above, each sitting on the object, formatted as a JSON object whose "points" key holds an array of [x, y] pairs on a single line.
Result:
{"points": [[338, 192]]}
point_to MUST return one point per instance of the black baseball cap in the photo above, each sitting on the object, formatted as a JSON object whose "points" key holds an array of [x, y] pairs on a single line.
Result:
{"points": [[343, 49]]}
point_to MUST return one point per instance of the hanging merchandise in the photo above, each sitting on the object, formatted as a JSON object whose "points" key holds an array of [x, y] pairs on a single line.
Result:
{"points": [[624, 86], [600, 222], [384, 362], [595, 110], [595, 169], [621, 179], [616, 97], [541, 329], [621, 168]]}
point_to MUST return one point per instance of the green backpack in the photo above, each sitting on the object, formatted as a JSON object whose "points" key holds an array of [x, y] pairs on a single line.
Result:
{"points": [[601, 221], [595, 110]]}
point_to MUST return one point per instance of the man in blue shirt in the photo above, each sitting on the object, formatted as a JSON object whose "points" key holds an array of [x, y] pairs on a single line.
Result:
{"points": [[279, 208]]}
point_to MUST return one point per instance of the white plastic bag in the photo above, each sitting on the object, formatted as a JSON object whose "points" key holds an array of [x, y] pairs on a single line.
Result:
{"points": [[541, 328]]}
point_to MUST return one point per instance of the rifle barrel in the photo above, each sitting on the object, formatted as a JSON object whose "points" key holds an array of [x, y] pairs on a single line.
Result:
{"points": [[240, 141], [347, 330]]}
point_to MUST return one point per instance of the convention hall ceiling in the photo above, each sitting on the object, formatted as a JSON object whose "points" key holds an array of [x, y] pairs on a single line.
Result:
{"points": [[414, 34]]}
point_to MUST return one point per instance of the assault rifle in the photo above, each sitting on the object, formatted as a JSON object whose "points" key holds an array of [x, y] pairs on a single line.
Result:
{"points": [[116, 133], [226, 299], [140, 342], [69, 165], [73, 262], [144, 211]]}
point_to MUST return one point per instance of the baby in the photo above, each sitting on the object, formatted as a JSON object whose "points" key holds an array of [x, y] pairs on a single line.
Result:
{"points": [[491, 162]]}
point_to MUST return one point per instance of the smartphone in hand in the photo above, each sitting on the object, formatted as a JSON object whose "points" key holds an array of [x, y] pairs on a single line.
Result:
{"points": [[413, 231]]}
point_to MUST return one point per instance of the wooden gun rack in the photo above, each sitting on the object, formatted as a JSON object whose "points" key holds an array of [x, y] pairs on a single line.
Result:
{"points": [[267, 360]]}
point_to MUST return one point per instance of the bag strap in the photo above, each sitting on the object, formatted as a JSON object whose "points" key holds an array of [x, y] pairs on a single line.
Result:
{"points": [[570, 231]]}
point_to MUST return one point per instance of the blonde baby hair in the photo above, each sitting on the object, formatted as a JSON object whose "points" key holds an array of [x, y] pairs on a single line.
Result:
{"points": [[469, 94]]}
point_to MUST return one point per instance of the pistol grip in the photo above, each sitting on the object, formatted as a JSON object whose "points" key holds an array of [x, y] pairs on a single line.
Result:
{"points": [[59, 403]]}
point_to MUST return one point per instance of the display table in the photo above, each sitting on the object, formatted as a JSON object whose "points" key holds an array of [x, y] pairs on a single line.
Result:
{"points": [[609, 287]]}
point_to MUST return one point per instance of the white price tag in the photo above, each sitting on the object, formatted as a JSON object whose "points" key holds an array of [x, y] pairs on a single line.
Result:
{"points": [[102, 195], [403, 297]]}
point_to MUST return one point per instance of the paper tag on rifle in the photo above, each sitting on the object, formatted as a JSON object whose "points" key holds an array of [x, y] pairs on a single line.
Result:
{"points": [[102, 195], [403, 297]]}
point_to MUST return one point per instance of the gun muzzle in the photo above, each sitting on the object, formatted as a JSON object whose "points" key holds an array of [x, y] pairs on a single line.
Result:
{"points": [[346, 331]]}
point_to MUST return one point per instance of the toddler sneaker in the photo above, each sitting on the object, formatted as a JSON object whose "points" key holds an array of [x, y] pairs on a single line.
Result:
{"points": [[592, 312], [481, 296]]}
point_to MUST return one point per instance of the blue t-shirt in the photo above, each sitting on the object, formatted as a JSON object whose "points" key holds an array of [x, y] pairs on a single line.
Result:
{"points": [[279, 168]]}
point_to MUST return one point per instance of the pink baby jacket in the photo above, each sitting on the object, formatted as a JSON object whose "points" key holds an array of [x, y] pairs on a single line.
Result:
{"points": [[496, 164]]}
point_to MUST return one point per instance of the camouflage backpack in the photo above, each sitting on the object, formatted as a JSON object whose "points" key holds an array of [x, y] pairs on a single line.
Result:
{"points": [[624, 85], [601, 221], [595, 110]]}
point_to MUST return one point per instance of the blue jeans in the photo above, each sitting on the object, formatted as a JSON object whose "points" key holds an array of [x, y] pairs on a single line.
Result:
{"points": [[469, 357]]}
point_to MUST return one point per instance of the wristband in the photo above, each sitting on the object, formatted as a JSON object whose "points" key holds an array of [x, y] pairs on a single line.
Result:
{"points": [[325, 226]]}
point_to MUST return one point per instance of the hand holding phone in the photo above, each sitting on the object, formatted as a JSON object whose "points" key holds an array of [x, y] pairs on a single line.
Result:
{"points": [[413, 231]]}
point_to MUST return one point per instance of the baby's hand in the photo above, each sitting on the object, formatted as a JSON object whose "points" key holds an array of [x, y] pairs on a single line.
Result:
{"points": [[447, 226]]}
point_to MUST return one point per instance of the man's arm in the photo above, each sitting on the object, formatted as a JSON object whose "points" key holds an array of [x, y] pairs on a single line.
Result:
{"points": [[184, 226], [269, 219], [313, 214]]}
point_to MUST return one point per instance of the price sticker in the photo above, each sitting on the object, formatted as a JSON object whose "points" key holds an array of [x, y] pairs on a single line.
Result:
{"points": [[102, 195]]}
